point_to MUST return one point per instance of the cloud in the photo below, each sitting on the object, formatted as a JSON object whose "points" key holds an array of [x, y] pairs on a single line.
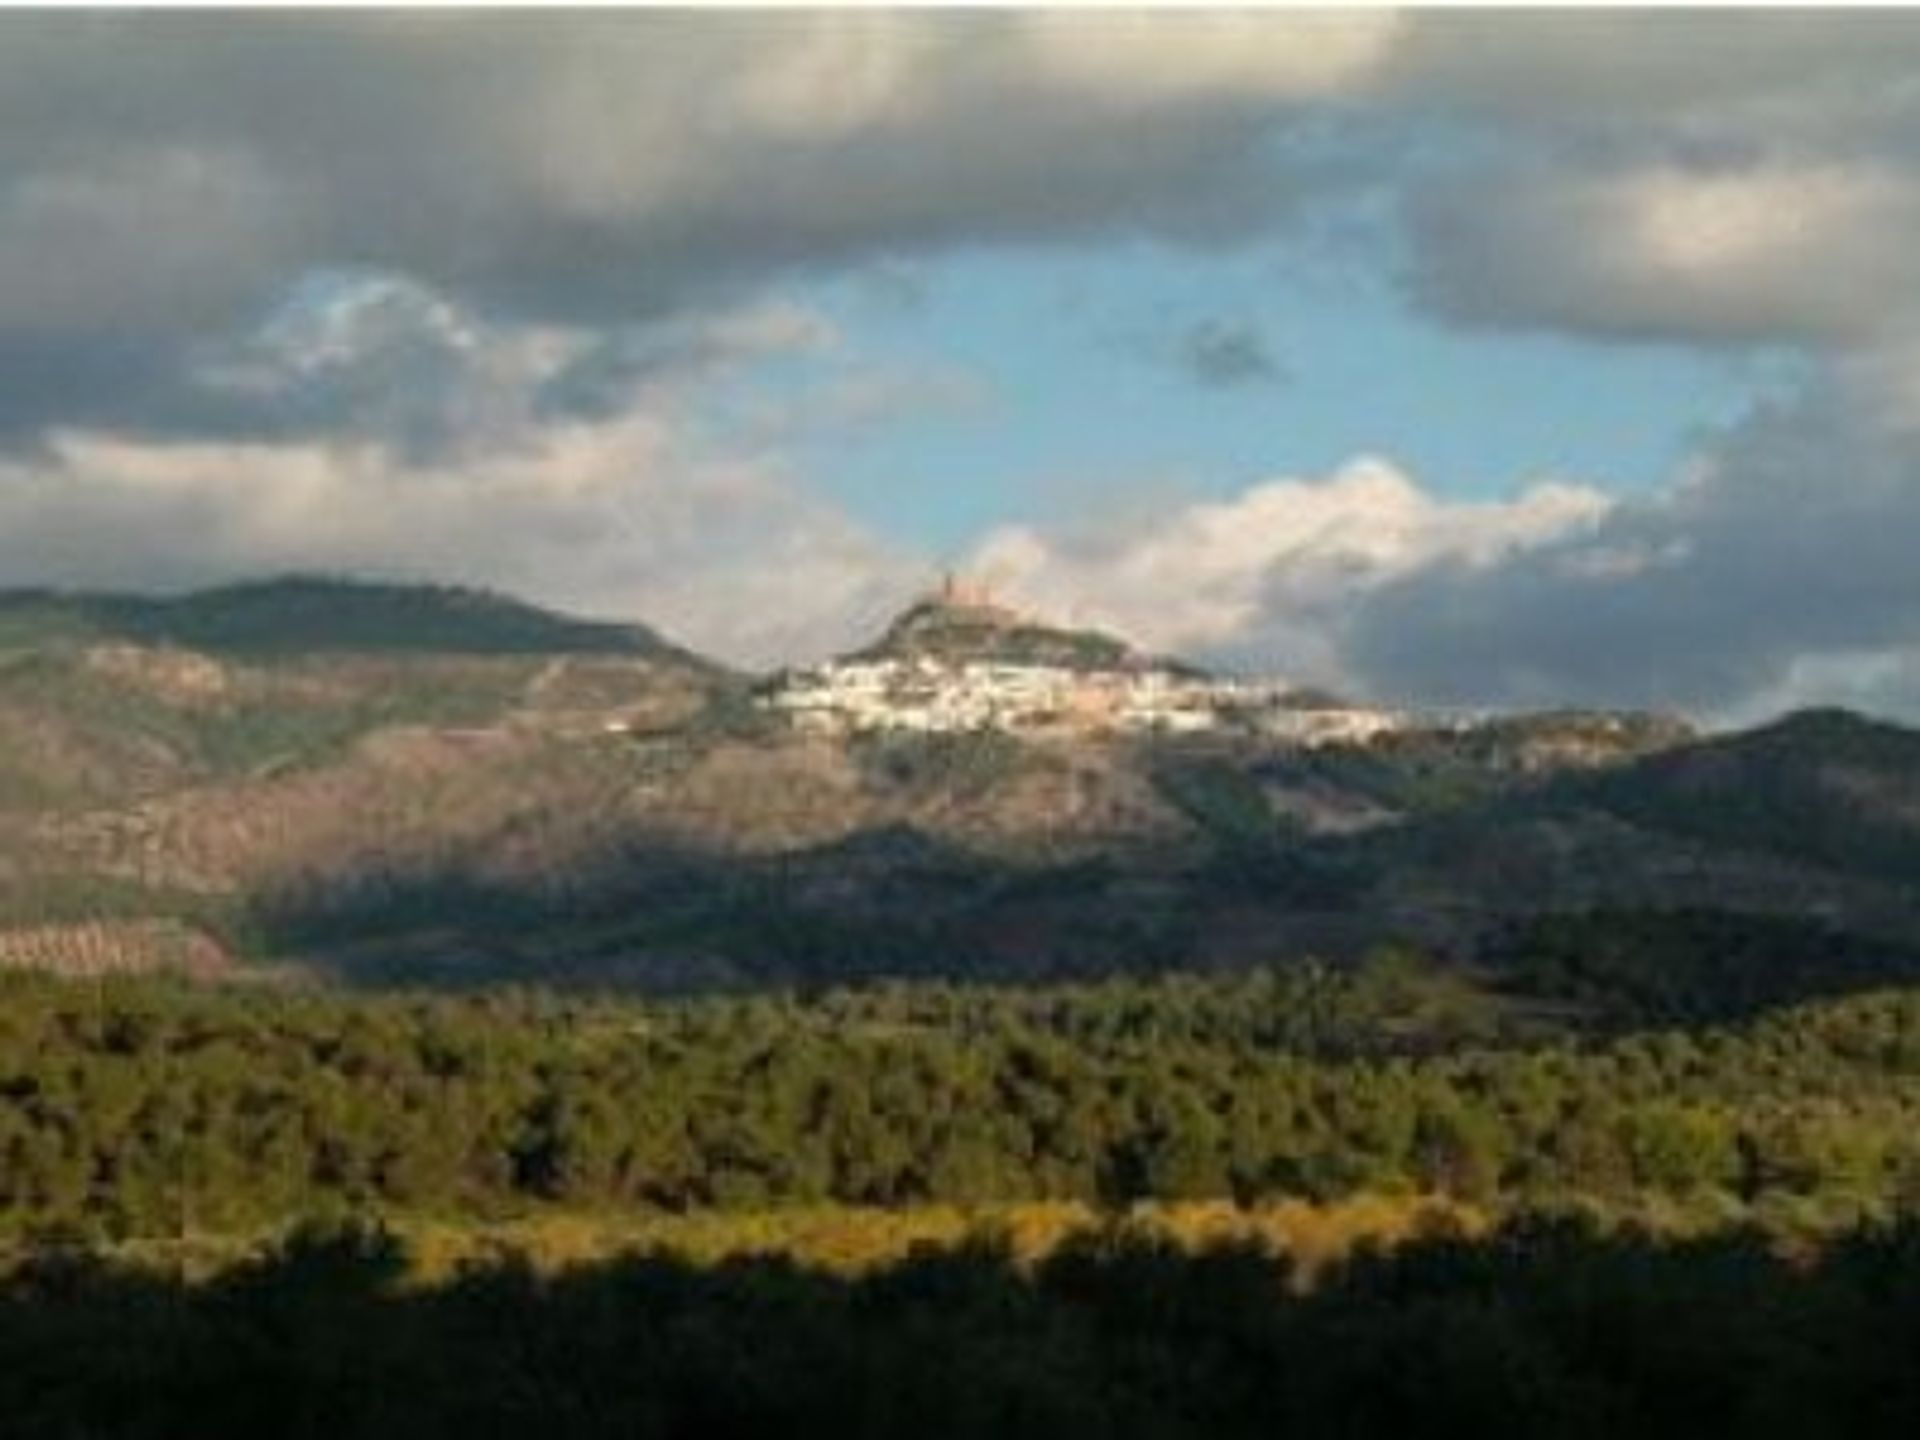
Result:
{"points": [[164, 178], [1788, 77], [361, 356], [606, 518], [1680, 176], [1223, 354], [467, 294], [603, 371], [1782, 556], [373, 359], [143, 240], [1813, 252], [413, 439], [166, 175], [1775, 569], [1263, 579], [1139, 58]]}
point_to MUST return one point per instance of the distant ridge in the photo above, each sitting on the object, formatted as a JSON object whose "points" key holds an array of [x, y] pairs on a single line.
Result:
{"points": [[304, 613]]}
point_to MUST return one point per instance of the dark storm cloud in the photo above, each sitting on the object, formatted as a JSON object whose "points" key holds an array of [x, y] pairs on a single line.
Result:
{"points": [[1794, 539], [165, 176]]}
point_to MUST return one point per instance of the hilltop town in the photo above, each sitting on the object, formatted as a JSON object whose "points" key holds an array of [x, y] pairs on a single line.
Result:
{"points": [[961, 660]]}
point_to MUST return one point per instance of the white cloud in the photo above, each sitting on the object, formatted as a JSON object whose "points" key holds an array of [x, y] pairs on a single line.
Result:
{"points": [[418, 445], [1265, 576], [611, 518], [1775, 569]]}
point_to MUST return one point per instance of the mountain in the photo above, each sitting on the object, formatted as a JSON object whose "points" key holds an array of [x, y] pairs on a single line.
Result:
{"points": [[418, 783], [162, 760]]}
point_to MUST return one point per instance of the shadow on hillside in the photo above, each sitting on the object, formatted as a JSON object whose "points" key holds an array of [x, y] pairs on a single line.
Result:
{"points": [[896, 903], [1546, 1329], [891, 902]]}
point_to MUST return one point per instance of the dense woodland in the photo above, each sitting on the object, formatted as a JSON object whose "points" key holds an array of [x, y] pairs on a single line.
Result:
{"points": [[139, 1108], [1702, 1131]]}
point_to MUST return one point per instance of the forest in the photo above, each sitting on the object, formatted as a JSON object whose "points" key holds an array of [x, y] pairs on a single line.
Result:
{"points": [[141, 1107], [1655, 1175]]}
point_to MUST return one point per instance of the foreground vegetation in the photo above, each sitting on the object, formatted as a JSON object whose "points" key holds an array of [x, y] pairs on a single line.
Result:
{"points": [[138, 1108], [845, 1240], [1540, 1329], [1658, 1177]]}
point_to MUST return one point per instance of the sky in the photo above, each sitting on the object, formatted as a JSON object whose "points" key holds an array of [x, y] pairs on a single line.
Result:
{"points": [[1437, 357]]}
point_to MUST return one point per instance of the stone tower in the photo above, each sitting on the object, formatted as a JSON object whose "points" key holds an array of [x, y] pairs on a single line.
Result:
{"points": [[965, 594]]}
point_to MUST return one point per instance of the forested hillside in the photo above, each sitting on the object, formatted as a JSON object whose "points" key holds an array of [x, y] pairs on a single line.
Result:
{"points": [[1823, 786]]}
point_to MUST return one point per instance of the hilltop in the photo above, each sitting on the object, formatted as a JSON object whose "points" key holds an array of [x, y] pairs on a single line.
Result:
{"points": [[964, 623]]}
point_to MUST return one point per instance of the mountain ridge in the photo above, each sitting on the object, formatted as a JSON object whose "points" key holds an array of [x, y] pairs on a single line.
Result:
{"points": [[611, 813]]}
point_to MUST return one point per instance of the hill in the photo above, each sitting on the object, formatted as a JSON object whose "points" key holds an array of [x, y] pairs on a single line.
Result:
{"points": [[160, 757], [1821, 786], [958, 626], [378, 782], [304, 614]]}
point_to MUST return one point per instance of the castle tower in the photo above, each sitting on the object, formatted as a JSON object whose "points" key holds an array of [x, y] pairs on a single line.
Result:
{"points": [[965, 594]]}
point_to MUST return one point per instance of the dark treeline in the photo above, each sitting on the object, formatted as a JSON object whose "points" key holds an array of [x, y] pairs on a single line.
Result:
{"points": [[1546, 1329], [144, 1109], [1688, 967]]}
